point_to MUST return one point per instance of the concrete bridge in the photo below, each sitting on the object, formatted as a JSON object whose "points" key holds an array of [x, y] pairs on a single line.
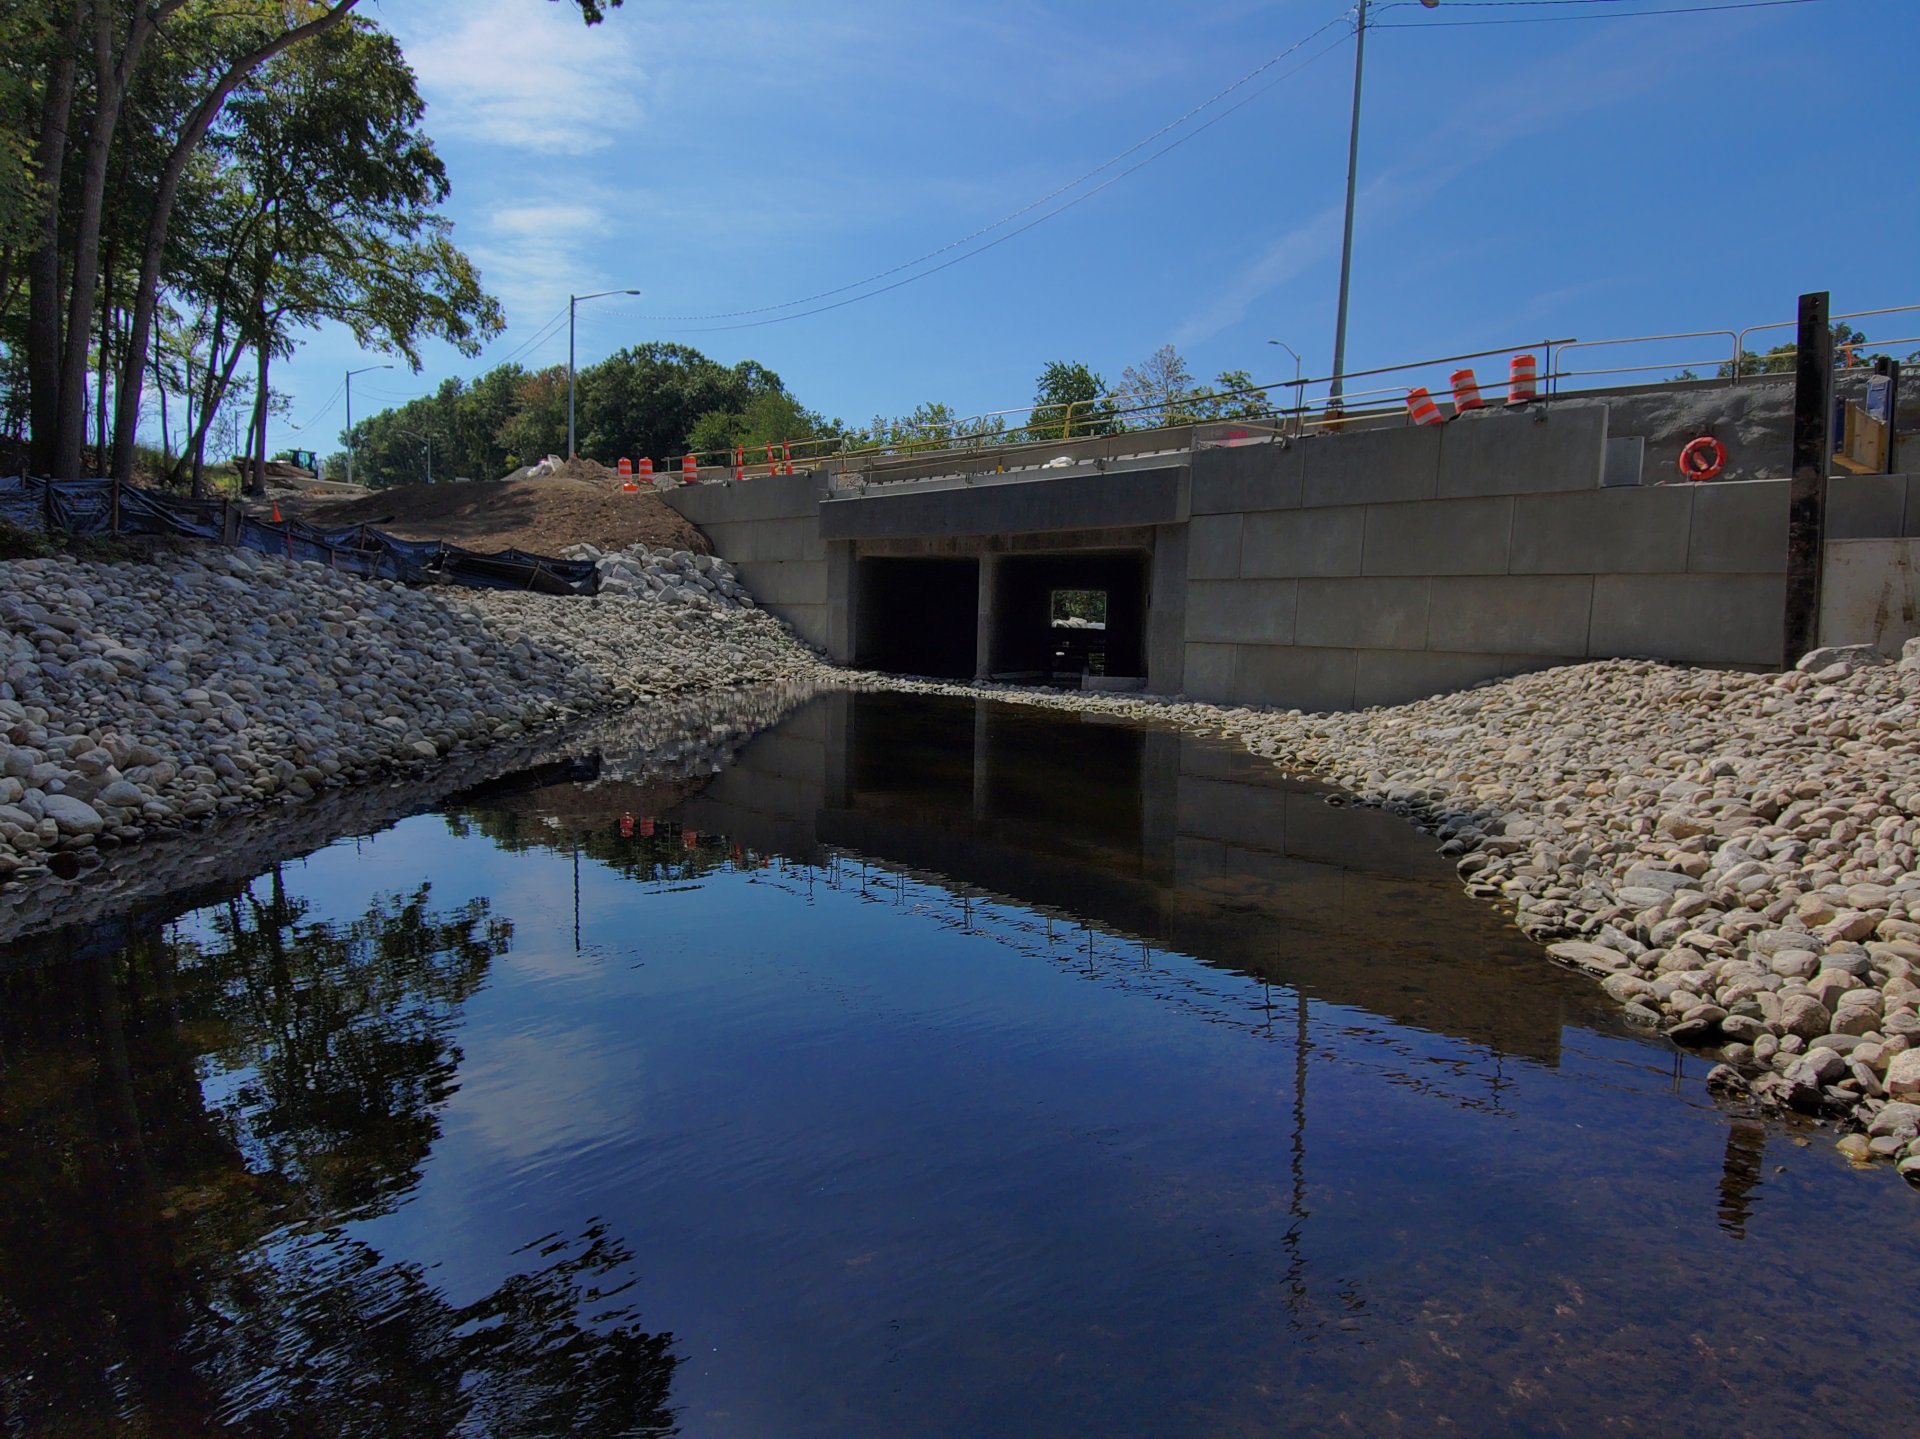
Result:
{"points": [[1369, 565]]}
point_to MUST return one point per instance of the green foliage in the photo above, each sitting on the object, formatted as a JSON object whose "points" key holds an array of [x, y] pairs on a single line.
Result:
{"points": [[1782, 359], [1069, 402], [1089, 605], [656, 401]]}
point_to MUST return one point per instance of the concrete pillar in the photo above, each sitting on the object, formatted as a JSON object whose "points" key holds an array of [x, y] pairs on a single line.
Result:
{"points": [[983, 656]]}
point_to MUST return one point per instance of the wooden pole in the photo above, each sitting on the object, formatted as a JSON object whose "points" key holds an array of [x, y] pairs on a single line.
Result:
{"points": [[1807, 495]]}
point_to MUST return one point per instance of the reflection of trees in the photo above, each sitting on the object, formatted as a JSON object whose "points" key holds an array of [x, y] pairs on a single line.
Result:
{"points": [[341, 1034], [140, 1292], [669, 855], [358, 1346]]}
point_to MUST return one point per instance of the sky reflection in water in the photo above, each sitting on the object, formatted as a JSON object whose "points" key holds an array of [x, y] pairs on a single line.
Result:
{"points": [[933, 1069]]}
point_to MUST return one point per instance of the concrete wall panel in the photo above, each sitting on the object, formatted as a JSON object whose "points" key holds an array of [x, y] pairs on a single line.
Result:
{"points": [[767, 498], [1006, 505], [1866, 507], [1511, 614], [776, 584], [1871, 593], [1700, 619], [1396, 677], [1438, 537], [1628, 531], [1167, 608], [1294, 543], [1366, 613], [1213, 547], [1288, 677], [1209, 673], [1367, 466], [1241, 611], [1739, 528], [1521, 454], [1245, 478]]}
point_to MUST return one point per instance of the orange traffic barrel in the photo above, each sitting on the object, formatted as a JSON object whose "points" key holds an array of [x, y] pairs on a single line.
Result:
{"points": [[1421, 408], [1522, 379], [689, 471], [1466, 392]]}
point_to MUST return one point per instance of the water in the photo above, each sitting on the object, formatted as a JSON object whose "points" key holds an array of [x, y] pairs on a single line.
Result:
{"points": [[933, 1069]]}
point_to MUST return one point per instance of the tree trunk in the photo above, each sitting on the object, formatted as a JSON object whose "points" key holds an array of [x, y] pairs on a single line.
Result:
{"points": [[43, 265], [257, 431], [110, 77], [103, 368], [146, 295]]}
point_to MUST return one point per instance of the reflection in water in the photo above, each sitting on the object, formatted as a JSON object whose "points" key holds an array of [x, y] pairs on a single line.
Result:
{"points": [[931, 1067], [179, 1134]]}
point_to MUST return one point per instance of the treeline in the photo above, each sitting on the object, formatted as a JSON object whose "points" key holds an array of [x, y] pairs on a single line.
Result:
{"points": [[661, 401], [185, 187]]}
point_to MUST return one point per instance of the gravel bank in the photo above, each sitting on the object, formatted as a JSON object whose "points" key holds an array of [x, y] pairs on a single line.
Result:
{"points": [[137, 699]]}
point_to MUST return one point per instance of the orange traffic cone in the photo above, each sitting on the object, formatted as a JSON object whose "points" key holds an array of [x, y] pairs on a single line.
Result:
{"points": [[276, 512]]}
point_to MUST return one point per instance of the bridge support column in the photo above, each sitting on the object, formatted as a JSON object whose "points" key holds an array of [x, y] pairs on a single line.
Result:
{"points": [[983, 633]]}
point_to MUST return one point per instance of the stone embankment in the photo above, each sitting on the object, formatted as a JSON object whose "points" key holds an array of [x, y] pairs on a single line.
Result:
{"points": [[673, 577], [141, 698]]}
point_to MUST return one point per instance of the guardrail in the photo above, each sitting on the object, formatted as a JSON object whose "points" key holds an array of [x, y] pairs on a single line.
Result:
{"points": [[1105, 428]]}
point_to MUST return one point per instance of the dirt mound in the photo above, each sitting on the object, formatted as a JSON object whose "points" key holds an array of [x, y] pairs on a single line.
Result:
{"points": [[542, 516]]}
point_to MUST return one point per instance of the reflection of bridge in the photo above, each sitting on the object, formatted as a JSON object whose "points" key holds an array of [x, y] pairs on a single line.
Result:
{"points": [[1154, 838]]}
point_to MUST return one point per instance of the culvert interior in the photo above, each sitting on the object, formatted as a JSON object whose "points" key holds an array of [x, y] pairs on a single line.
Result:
{"points": [[918, 616]]}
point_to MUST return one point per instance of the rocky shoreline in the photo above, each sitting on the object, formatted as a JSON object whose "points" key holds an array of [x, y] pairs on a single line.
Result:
{"points": [[1731, 855]]}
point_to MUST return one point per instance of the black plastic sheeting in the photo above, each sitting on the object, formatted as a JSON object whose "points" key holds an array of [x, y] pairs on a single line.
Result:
{"points": [[86, 507]]}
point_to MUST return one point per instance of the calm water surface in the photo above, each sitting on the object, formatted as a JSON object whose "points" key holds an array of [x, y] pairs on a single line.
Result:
{"points": [[934, 1069]]}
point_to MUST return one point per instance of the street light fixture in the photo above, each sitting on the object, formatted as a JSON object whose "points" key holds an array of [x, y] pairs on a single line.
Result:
{"points": [[350, 374], [1299, 395], [572, 301]]}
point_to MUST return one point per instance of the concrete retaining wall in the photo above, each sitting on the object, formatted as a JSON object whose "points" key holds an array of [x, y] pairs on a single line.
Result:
{"points": [[1384, 566], [769, 528]]}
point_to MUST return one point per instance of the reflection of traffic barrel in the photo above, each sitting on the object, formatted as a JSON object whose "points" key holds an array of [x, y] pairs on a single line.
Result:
{"points": [[1421, 408], [690, 838], [626, 826], [1466, 392], [1522, 380], [646, 829]]}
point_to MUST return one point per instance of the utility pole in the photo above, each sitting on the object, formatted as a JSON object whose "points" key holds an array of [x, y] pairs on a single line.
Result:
{"points": [[350, 374], [1338, 388], [1807, 490], [572, 301]]}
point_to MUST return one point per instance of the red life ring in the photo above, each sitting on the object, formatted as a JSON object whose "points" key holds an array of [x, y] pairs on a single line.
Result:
{"points": [[1703, 458]]}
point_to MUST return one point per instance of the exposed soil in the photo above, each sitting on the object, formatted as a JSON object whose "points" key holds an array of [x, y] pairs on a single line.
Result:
{"points": [[541, 516]]}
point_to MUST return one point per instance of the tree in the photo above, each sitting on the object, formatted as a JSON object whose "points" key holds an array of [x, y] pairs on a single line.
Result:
{"points": [[82, 77], [338, 190], [1070, 402], [1232, 396], [1160, 392]]}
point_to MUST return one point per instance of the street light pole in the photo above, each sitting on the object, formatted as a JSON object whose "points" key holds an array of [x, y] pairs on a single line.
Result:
{"points": [[572, 301], [1338, 388], [1299, 396], [350, 375]]}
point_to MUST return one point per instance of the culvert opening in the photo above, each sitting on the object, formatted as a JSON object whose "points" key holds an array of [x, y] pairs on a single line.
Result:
{"points": [[918, 616], [1060, 619]]}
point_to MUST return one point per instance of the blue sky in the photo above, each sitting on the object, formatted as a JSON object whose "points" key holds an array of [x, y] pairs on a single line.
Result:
{"points": [[1597, 179]]}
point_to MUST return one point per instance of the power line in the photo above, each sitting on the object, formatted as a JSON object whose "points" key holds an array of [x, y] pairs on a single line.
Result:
{"points": [[1025, 209], [1587, 15], [544, 331], [322, 411], [1038, 219]]}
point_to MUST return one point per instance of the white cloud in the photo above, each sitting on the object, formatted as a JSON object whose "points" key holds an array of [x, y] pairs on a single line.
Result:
{"points": [[528, 76]]}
